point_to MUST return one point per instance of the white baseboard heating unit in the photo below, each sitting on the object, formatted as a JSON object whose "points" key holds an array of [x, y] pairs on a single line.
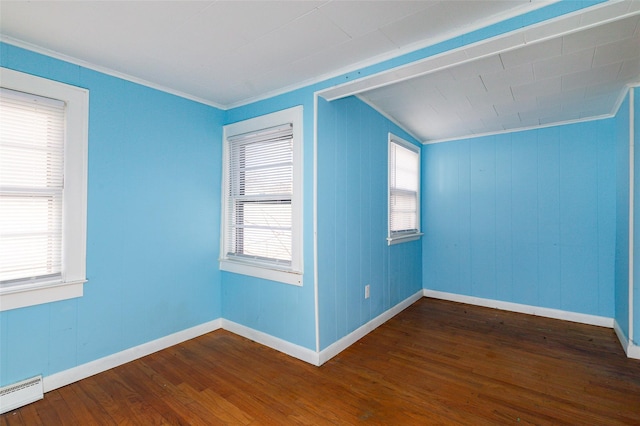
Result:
{"points": [[22, 393]]}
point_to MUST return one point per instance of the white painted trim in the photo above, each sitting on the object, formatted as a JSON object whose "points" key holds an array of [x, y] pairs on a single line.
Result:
{"points": [[104, 70], [74, 209], [291, 349], [315, 221], [515, 39], [523, 309], [633, 351], [348, 340], [28, 295], [521, 129], [631, 208], [624, 342], [267, 272], [292, 274], [89, 369], [630, 349]]}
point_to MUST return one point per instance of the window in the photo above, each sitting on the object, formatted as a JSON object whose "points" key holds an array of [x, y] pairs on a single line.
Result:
{"points": [[43, 169], [404, 191], [262, 197]]}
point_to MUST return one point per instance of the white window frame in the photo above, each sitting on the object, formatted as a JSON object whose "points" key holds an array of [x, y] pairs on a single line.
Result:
{"points": [[74, 210], [271, 271], [402, 237]]}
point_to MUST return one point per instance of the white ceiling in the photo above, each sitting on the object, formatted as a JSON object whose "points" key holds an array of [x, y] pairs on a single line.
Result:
{"points": [[227, 53]]}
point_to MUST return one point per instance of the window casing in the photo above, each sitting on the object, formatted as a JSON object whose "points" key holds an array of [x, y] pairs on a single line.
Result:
{"points": [[43, 172], [262, 197], [404, 191]]}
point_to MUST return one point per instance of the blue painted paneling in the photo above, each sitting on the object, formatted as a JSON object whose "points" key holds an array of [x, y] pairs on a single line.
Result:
{"points": [[153, 226], [525, 217], [281, 310], [482, 220], [352, 221], [548, 203], [622, 218]]}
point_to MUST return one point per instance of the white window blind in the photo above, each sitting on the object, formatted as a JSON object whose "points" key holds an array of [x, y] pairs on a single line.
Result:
{"points": [[404, 189], [32, 136], [260, 192]]}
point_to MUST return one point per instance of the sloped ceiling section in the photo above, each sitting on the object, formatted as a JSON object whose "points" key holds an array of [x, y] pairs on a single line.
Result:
{"points": [[541, 78]]}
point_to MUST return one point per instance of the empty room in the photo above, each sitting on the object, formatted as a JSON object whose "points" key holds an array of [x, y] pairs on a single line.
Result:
{"points": [[319, 212]]}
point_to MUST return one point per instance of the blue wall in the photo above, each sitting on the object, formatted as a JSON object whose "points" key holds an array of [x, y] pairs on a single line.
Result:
{"points": [[154, 220], [281, 310], [622, 218], [525, 217], [153, 226], [352, 221]]}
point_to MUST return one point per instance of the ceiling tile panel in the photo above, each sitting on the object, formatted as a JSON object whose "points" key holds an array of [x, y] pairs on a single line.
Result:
{"points": [[599, 35], [573, 96], [590, 77], [532, 53], [359, 18], [537, 88], [473, 69], [513, 107], [498, 96], [452, 90], [484, 112], [327, 61], [618, 51], [516, 76], [565, 64], [630, 71]]}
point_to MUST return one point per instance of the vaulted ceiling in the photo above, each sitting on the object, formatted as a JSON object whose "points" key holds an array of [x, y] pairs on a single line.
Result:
{"points": [[227, 53]]}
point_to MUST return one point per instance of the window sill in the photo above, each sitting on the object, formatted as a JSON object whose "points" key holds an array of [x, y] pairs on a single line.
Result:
{"points": [[21, 296], [272, 274], [404, 238]]}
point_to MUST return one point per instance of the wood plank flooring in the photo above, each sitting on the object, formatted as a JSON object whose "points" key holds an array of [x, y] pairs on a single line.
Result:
{"points": [[437, 362]]}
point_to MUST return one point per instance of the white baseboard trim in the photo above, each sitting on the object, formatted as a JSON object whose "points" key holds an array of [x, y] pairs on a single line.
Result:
{"points": [[89, 369], [83, 371], [291, 349], [624, 342], [348, 340], [632, 351], [523, 309]]}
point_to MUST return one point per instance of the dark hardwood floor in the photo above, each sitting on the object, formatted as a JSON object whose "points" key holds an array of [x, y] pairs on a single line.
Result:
{"points": [[436, 362]]}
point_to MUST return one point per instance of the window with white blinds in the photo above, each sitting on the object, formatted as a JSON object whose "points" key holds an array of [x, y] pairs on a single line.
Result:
{"points": [[260, 192], [404, 191], [43, 184], [261, 214], [31, 187]]}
